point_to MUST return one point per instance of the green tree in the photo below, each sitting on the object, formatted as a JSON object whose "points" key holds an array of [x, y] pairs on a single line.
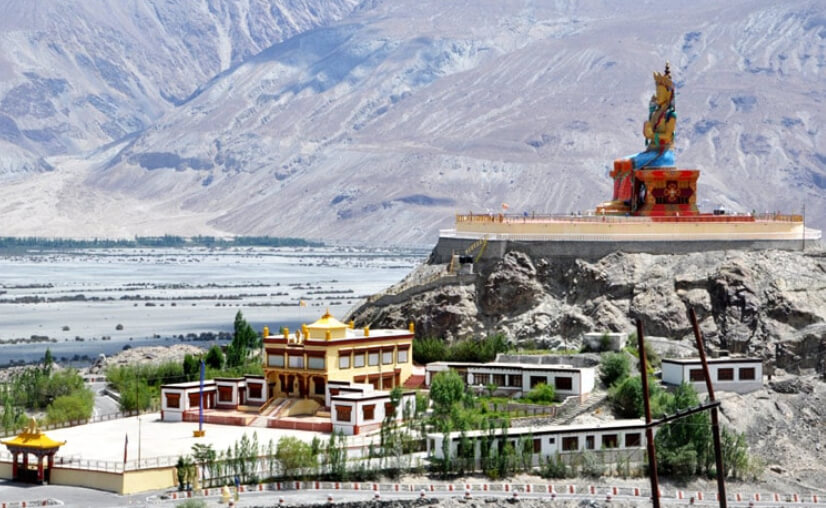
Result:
{"points": [[429, 349], [192, 367], [48, 361], [215, 357], [683, 445], [613, 368], [244, 340], [295, 457], [627, 401], [77, 406], [446, 390]]}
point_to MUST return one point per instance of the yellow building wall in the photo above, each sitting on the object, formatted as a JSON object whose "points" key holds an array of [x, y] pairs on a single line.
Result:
{"points": [[5, 470], [630, 226], [149, 479], [100, 480], [334, 373]]}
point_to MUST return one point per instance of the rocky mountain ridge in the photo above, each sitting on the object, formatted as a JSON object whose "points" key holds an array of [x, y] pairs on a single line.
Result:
{"points": [[767, 303]]}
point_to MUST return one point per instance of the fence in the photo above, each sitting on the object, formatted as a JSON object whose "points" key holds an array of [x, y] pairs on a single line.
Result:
{"points": [[487, 218], [73, 423]]}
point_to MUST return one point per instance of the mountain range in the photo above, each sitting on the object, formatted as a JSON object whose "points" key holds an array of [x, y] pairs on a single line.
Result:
{"points": [[375, 121]]}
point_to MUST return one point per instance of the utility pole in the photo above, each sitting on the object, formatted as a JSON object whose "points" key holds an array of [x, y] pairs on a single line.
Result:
{"points": [[649, 432], [715, 426]]}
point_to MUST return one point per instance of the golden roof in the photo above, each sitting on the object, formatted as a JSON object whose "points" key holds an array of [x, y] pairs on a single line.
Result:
{"points": [[31, 437], [327, 321]]}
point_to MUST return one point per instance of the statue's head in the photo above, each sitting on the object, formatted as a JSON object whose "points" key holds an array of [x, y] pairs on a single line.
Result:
{"points": [[665, 87]]}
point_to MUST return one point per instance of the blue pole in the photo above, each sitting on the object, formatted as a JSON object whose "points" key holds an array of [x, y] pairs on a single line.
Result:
{"points": [[201, 400]]}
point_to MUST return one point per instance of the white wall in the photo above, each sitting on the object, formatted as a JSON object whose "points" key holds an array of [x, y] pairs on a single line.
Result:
{"points": [[675, 374]]}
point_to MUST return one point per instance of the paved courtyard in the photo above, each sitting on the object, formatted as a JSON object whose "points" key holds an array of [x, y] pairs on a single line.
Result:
{"points": [[104, 440]]}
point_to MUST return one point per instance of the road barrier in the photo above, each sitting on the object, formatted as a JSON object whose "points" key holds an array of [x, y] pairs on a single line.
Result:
{"points": [[466, 489]]}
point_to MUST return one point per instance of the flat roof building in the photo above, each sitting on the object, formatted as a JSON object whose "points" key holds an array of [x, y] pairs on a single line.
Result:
{"points": [[731, 374]]}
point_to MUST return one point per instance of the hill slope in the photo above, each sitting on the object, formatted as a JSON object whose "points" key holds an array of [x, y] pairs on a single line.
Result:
{"points": [[378, 127]]}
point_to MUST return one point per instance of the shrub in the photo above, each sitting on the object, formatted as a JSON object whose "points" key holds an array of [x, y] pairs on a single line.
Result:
{"points": [[215, 357], [626, 398], [295, 457], [446, 390], [541, 394], [554, 467], [77, 406], [613, 368]]}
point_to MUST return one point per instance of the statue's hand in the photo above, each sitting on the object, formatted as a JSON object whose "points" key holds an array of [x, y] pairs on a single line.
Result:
{"points": [[647, 131]]}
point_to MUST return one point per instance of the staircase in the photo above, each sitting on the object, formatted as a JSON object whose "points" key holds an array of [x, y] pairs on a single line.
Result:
{"points": [[569, 413]]}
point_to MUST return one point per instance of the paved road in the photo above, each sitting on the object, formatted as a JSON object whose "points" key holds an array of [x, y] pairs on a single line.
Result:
{"points": [[80, 497], [104, 404]]}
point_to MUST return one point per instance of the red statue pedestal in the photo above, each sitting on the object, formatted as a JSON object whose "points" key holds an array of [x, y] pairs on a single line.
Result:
{"points": [[665, 191]]}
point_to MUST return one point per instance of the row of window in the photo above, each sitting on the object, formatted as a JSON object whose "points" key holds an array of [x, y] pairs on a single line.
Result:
{"points": [[571, 443], [357, 359], [296, 361], [724, 374], [515, 380], [368, 412]]}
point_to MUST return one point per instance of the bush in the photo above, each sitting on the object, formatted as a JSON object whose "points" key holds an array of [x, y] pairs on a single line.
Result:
{"points": [[554, 467], [626, 398], [215, 357], [541, 394], [446, 390], [77, 406], [295, 457], [613, 368]]}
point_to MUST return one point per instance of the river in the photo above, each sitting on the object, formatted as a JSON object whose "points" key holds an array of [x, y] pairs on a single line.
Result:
{"points": [[87, 302]]}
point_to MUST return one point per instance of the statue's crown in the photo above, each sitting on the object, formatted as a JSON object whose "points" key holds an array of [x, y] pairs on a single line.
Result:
{"points": [[664, 79]]}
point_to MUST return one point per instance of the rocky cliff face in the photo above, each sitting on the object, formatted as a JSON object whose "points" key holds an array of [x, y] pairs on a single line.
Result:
{"points": [[746, 301]]}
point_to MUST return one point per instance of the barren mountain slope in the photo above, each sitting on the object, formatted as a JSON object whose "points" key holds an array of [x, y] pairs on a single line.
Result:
{"points": [[75, 75], [379, 127]]}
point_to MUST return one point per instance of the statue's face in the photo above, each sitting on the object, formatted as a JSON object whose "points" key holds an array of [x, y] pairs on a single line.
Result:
{"points": [[663, 95]]}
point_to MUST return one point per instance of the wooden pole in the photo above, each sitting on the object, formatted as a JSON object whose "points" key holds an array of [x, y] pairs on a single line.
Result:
{"points": [[649, 432], [715, 425]]}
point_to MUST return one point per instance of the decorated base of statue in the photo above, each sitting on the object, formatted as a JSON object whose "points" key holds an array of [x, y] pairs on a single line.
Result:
{"points": [[665, 192]]}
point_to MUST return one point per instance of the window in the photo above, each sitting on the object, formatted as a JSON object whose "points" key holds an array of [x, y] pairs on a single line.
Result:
{"points": [[610, 441], [296, 362], [344, 362], [343, 413], [173, 400], [319, 386], [480, 379], [224, 394], [388, 410], [570, 443], [275, 360], [551, 440], [368, 412], [725, 374], [747, 374], [499, 379], [535, 380], [563, 383], [387, 357], [254, 391], [315, 362], [696, 375], [514, 380], [589, 442], [537, 445], [633, 440], [402, 356], [373, 358], [358, 360]]}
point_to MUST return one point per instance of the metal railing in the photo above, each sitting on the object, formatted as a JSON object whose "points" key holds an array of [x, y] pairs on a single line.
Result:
{"points": [[492, 218], [73, 423]]}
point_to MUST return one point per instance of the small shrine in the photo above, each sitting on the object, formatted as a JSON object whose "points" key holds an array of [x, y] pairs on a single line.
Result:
{"points": [[649, 183], [32, 441]]}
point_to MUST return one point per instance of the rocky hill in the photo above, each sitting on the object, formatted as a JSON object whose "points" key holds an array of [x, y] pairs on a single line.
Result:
{"points": [[761, 302], [375, 121]]}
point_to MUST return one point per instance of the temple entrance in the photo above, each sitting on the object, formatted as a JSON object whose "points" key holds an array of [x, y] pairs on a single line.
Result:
{"points": [[32, 442]]}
